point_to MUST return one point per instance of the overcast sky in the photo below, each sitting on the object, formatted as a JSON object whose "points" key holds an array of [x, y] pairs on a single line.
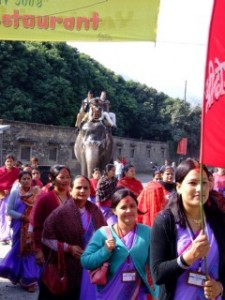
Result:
{"points": [[177, 57]]}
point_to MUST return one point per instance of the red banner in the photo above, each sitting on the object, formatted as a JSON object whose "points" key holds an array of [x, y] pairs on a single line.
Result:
{"points": [[213, 111], [182, 146]]}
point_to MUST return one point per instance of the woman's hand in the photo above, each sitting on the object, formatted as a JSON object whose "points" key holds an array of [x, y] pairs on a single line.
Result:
{"points": [[75, 251], [212, 289], [24, 218], [39, 257], [198, 249], [110, 245]]}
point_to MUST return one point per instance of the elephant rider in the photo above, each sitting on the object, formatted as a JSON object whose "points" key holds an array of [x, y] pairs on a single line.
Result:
{"points": [[97, 113], [82, 116], [95, 110], [109, 116]]}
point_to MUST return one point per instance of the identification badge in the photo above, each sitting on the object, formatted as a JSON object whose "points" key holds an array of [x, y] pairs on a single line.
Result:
{"points": [[196, 279], [130, 276]]}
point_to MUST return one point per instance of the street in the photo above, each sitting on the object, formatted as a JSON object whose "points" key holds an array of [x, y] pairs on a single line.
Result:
{"points": [[8, 291]]}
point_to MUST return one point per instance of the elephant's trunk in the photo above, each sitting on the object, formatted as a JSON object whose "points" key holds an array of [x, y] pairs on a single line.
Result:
{"points": [[92, 157]]}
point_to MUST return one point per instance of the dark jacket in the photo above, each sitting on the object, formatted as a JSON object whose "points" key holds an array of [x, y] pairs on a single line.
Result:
{"points": [[164, 249]]}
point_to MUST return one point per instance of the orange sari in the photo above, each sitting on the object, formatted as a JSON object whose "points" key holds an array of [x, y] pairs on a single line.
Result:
{"points": [[151, 201]]}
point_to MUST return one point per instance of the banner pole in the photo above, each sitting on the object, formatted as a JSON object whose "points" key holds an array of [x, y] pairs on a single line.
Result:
{"points": [[202, 216]]}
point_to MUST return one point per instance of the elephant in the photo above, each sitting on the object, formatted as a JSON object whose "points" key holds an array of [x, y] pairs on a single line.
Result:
{"points": [[93, 146]]}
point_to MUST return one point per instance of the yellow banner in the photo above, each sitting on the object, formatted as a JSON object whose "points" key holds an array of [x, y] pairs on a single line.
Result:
{"points": [[78, 20]]}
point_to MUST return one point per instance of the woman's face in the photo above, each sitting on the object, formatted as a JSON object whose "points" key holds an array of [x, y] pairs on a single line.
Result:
{"points": [[26, 181], [126, 210], [96, 175], [80, 191], [9, 163], [190, 189], [111, 173], [63, 180], [131, 172], [157, 177], [168, 175], [35, 174]]}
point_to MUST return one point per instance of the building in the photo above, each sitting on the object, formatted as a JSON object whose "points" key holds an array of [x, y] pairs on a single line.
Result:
{"points": [[55, 144]]}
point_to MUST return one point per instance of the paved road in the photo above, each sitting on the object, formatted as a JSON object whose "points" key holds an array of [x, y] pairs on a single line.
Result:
{"points": [[8, 291]]}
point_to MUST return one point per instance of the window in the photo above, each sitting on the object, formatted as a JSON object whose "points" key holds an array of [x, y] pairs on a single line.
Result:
{"points": [[119, 151], [53, 154], [25, 153], [148, 152], [132, 151]]}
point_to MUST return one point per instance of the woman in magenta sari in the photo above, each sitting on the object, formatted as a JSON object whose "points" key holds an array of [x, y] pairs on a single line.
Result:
{"points": [[179, 245], [127, 253], [58, 193], [73, 224], [19, 264], [8, 175]]}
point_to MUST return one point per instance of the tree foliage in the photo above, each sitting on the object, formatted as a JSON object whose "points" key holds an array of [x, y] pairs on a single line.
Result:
{"points": [[46, 82]]}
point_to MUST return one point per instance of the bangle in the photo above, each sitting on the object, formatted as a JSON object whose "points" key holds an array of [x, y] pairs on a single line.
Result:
{"points": [[181, 264], [183, 261]]}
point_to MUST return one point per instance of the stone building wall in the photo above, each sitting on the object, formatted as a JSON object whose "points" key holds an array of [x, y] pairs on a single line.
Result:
{"points": [[55, 144]]}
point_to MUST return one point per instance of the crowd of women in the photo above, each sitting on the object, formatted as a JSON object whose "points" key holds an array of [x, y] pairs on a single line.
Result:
{"points": [[162, 241]]}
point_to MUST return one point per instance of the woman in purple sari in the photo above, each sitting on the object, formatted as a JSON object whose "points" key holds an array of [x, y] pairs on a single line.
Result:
{"points": [[19, 264], [127, 252], [188, 262], [8, 175], [73, 224]]}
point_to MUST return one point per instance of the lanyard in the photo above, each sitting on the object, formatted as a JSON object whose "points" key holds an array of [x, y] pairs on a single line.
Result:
{"points": [[193, 237]]}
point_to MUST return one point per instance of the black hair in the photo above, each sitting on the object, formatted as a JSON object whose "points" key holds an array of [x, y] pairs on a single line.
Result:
{"points": [[24, 173], [8, 156], [54, 172], [83, 176], [126, 168], [119, 194], [108, 168], [164, 168]]}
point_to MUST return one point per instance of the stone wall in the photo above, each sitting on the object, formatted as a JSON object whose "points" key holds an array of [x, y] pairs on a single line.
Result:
{"points": [[54, 144]]}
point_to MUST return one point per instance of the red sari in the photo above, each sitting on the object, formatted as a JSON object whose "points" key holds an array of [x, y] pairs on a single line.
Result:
{"points": [[7, 179], [151, 201], [132, 184]]}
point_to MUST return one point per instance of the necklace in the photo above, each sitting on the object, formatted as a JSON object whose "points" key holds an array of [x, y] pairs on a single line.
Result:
{"points": [[198, 222]]}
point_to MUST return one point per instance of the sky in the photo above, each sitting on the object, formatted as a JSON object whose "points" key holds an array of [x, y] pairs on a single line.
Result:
{"points": [[175, 64]]}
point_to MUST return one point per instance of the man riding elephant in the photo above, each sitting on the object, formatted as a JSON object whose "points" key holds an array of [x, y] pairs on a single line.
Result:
{"points": [[94, 142], [82, 116]]}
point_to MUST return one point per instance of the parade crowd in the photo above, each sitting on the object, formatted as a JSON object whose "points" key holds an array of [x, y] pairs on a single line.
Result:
{"points": [[157, 241]]}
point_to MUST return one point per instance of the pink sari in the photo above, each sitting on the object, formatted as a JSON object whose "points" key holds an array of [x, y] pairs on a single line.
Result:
{"points": [[7, 178]]}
